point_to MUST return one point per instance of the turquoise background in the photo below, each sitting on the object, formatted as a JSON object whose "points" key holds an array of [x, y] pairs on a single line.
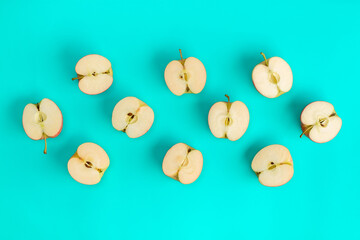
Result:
{"points": [[40, 43]]}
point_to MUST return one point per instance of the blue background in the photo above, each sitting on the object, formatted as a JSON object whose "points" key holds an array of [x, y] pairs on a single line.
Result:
{"points": [[40, 43]]}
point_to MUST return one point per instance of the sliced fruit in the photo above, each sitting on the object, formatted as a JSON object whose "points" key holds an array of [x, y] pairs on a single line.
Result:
{"points": [[273, 77], [88, 164], [183, 163], [320, 122], [132, 116], [94, 73], [229, 120], [185, 76], [273, 165], [42, 120]]}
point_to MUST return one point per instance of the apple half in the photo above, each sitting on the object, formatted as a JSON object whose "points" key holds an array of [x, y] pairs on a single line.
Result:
{"points": [[185, 76], [88, 164], [183, 163], [132, 116], [273, 165], [42, 120], [228, 120], [272, 77], [320, 122], [94, 73]]}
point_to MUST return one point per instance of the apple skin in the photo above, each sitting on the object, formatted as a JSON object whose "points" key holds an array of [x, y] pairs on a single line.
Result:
{"points": [[303, 127], [301, 124], [57, 134], [140, 136], [62, 122], [111, 73], [74, 155]]}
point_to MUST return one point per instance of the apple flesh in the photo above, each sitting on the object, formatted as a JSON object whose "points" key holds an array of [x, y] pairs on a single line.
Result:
{"points": [[42, 120], [320, 122], [273, 165], [88, 164], [132, 116], [94, 73], [273, 77], [229, 120], [183, 163], [185, 76]]}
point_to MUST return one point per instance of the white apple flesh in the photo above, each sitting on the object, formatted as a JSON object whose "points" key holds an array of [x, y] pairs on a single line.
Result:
{"points": [[229, 120], [132, 116], [88, 164], [42, 120], [183, 163], [320, 122], [273, 77], [273, 165], [185, 76], [94, 73]]}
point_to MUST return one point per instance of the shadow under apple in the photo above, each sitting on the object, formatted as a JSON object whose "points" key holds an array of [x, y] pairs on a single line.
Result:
{"points": [[297, 105], [160, 60], [246, 64], [205, 102], [15, 111], [252, 150], [109, 99], [160, 149], [62, 151], [70, 54]]}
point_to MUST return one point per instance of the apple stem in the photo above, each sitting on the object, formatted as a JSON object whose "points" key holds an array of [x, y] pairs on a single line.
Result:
{"points": [[227, 98], [306, 130], [228, 105], [180, 54], [45, 150], [266, 61], [79, 77]]}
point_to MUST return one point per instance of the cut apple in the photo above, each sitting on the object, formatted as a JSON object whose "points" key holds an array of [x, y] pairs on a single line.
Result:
{"points": [[183, 163], [42, 120], [185, 76], [320, 122], [132, 116], [229, 120], [94, 73], [273, 165], [88, 164], [273, 77]]}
